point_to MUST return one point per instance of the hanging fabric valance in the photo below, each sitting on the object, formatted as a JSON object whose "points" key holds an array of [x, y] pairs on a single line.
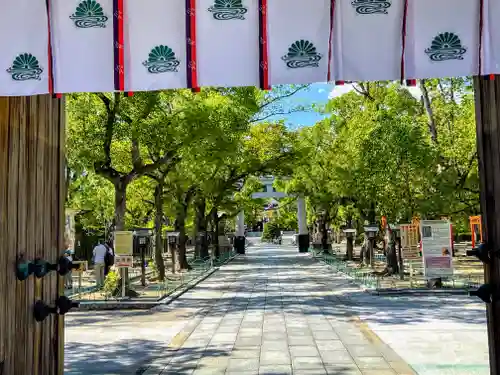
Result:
{"points": [[63, 46]]}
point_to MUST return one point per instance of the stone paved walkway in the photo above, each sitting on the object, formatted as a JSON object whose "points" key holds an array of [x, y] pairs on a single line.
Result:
{"points": [[273, 311]]}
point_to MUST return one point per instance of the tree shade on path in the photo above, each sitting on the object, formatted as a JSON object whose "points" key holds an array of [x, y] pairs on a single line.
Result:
{"points": [[270, 311]]}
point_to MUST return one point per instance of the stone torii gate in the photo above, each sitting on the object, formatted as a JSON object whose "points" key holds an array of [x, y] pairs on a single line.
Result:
{"points": [[270, 192]]}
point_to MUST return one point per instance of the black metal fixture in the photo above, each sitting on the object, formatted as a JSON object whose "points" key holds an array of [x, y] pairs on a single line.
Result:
{"points": [[63, 305], [24, 268], [481, 252], [485, 293], [63, 266]]}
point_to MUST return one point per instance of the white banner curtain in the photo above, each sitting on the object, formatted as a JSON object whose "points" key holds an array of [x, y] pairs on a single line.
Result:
{"points": [[491, 38], [155, 44], [298, 39], [227, 42], [24, 60], [82, 45], [367, 40], [442, 38]]}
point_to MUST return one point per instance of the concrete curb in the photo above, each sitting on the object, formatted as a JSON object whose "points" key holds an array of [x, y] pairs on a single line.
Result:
{"points": [[147, 305], [417, 292]]}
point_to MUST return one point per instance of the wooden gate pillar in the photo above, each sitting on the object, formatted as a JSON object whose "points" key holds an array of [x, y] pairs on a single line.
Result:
{"points": [[488, 147], [31, 224]]}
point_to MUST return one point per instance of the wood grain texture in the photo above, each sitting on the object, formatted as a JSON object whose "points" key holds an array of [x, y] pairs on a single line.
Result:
{"points": [[31, 223], [488, 146]]}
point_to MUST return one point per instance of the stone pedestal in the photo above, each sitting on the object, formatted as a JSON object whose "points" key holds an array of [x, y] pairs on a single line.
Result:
{"points": [[303, 241], [239, 244]]}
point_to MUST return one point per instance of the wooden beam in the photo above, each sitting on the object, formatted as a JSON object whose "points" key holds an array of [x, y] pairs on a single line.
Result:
{"points": [[488, 145], [31, 223]]}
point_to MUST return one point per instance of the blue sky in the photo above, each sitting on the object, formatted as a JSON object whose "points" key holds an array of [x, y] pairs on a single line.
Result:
{"points": [[317, 93]]}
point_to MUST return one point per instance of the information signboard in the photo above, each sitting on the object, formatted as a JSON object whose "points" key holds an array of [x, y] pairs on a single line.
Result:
{"points": [[436, 248], [123, 261], [409, 242], [124, 243]]}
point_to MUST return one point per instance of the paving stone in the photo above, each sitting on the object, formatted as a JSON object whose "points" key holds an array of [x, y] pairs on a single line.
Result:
{"points": [[242, 342], [325, 335], [248, 352], [304, 351], [243, 364], [274, 336], [273, 357], [300, 340], [298, 332], [311, 371], [227, 329], [363, 351], [329, 345], [216, 362], [275, 370], [209, 371], [301, 363], [342, 369], [336, 357], [249, 332], [280, 345], [372, 363]]}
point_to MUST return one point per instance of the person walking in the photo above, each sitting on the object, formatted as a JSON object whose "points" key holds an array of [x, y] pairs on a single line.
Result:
{"points": [[99, 256], [109, 258]]}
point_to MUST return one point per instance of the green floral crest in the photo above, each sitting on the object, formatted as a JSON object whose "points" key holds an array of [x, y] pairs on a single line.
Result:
{"points": [[228, 10], [161, 59], [302, 54], [446, 46], [89, 13], [25, 67], [371, 6]]}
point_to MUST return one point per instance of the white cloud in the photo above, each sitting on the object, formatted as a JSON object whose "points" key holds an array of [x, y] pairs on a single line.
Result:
{"points": [[340, 90], [320, 91], [344, 89], [415, 91]]}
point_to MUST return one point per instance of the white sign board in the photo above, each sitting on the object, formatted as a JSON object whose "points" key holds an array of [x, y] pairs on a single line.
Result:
{"points": [[124, 243], [123, 261], [436, 248]]}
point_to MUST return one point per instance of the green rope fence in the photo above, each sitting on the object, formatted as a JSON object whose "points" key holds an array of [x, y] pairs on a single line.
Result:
{"points": [[364, 276]]}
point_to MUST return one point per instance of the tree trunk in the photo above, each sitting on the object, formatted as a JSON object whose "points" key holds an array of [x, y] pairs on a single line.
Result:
{"points": [[428, 109], [120, 204], [215, 240], [400, 259], [160, 265], [120, 209], [180, 226], [201, 249], [391, 256]]}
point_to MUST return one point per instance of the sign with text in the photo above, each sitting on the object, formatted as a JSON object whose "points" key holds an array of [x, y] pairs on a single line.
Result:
{"points": [[124, 243], [124, 261], [436, 248]]}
